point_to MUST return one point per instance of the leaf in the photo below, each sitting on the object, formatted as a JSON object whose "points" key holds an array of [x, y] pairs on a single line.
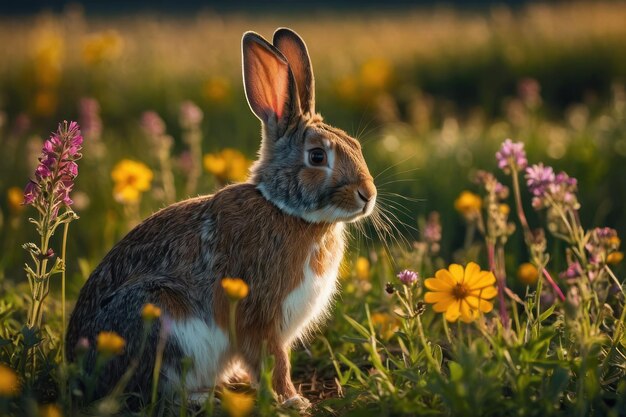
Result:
{"points": [[456, 371], [31, 337], [357, 326], [547, 313], [558, 383]]}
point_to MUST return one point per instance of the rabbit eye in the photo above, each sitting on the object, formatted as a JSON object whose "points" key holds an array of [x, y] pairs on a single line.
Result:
{"points": [[317, 157]]}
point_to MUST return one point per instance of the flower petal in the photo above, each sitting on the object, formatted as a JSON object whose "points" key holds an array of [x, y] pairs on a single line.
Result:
{"points": [[435, 297], [479, 304], [445, 276], [453, 312], [485, 293], [482, 279], [436, 284], [468, 314], [457, 272], [442, 306], [471, 271]]}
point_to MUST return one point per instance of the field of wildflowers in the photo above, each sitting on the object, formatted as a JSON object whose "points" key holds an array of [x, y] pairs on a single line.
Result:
{"points": [[493, 281]]}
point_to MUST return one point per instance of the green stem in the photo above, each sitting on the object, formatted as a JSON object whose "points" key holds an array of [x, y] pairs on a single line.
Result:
{"points": [[425, 346], [64, 258]]}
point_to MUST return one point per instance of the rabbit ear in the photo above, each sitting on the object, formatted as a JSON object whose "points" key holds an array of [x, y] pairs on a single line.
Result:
{"points": [[268, 81], [294, 49]]}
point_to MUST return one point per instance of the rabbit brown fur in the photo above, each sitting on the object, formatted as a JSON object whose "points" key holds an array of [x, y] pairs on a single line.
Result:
{"points": [[281, 232]]}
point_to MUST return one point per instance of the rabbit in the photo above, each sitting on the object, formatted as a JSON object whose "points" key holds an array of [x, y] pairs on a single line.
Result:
{"points": [[281, 231]]}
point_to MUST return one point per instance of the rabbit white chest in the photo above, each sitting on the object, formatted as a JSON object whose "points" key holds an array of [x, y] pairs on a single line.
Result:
{"points": [[309, 303]]}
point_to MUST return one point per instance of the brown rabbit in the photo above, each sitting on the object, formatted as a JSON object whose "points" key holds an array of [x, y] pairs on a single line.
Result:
{"points": [[281, 232]]}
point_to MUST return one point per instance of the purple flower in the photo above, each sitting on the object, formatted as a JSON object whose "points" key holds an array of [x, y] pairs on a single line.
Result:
{"points": [[152, 123], [432, 229], [57, 169], [89, 110], [190, 114], [538, 178], [408, 277], [511, 156], [574, 270]]}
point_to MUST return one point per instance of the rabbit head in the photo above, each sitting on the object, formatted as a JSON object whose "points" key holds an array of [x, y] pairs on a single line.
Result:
{"points": [[305, 167]]}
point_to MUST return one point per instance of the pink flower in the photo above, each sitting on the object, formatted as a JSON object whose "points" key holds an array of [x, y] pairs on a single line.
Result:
{"points": [[57, 169], [511, 156], [152, 123], [190, 114], [408, 277]]}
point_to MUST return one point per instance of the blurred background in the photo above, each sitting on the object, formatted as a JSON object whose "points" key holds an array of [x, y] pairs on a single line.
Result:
{"points": [[431, 90]]}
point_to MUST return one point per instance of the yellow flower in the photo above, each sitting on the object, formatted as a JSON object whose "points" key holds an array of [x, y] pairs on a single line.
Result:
{"points": [[468, 203], [376, 74], [15, 197], [110, 343], [235, 288], [362, 268], [237, 404], [9, 382], [217, 89], [461, 293], [527, 273], [227, 165], [504, 209], [215, 164], [385, 323], [614, 258], [103, 46], [131, 179], [45, 102], [150, 312], [50, 410]]}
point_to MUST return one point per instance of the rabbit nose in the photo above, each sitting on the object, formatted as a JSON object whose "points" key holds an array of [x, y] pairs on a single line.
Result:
{"points": [[367, 191]]}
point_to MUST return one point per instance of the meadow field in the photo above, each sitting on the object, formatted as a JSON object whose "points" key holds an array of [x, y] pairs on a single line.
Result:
{"points": [[497, 139]]}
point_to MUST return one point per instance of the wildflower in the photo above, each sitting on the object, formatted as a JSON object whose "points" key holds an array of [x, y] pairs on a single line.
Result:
{"points": [[9, 382], [538, 178], [235, 288], [237, 404], [432, 232], [131, 179], [216, 89], [15, 197], [110, 343], [573, 271], [150, 312], [152, 123], [384, 323], [511, 156], [615, 258], [215, 164], [190, 114], [461, 293], [57, 169], [376, 74], [50, 410], [408, 277], [89, 110], [468, 204], [362, 268], [528, 273], [549, 188]]}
